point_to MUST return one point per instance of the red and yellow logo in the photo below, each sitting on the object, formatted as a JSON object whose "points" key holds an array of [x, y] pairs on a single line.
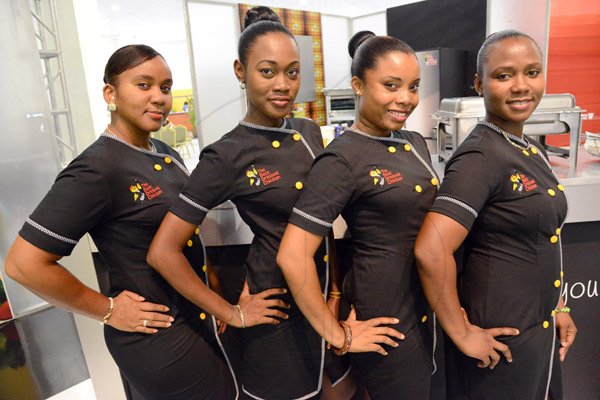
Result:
{"points": [[261, 176], [144, 191], [383, 176], [520, 181]]}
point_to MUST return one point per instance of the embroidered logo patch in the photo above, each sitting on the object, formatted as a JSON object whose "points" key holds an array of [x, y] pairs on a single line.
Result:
{"points": [[521, 181], [383, 176], [261, 176], [144, 191]]}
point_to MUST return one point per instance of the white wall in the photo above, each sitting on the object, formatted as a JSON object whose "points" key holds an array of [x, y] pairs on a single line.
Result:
{"points": [[336, 34], [219, 100], [375, 23], [530, 16]]}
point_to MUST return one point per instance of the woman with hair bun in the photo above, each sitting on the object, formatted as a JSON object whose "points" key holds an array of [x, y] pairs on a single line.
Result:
{"points": [[380, 179], [119, 189], [261, 166]]}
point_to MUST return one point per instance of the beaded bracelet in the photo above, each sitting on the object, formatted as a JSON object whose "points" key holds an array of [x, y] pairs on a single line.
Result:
{"points": [[562, 310], [109, 313], [347, 340]]}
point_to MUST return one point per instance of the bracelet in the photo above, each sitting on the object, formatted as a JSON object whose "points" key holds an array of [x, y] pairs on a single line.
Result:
{"points": [[241, 314], [109, 313], [561, 310], [335, 295], [347, 340]]}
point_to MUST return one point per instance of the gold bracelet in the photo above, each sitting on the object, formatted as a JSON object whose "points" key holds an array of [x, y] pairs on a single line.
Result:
{"points": [[109, 313], [241, 313], [347, 340], [335, 295]]}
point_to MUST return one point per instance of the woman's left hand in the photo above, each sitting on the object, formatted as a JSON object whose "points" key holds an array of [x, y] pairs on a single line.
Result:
{"points": [[566, 332]]}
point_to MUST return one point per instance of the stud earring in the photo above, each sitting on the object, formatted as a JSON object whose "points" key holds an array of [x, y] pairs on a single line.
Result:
{"points": [[112, 107], [242, 85]]}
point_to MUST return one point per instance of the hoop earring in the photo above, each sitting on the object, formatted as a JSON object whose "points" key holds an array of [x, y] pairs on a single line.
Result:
{"points": [[242, 85], [112, 107]]}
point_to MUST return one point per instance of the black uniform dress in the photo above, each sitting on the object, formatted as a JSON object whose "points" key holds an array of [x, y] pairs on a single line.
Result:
{"points": [[262, 171], [513, 206], [383, 188], [120, 194]]}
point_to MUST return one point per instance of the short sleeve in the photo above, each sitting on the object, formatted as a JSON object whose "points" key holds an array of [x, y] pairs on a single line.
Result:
{"points": [[329, 186], [210, 184], [470, 180], [78, 201]]}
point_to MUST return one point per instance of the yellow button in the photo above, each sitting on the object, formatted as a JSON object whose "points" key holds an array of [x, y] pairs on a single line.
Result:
{"points": [[190, 243], [526, 153], [560, 187], [553, 313], [276, 144], [197, 231], [424, 318], [168, 160], [299, 185], [562, 274], [325, 258], [434, 181], [407, 147], [546, 324], [202, 316], [418, 189], [534, 150], [554, 239], [558, 231], [204, 268], [392, 149], [551, 192], [557, 283], [297, 136], [157, 167]]}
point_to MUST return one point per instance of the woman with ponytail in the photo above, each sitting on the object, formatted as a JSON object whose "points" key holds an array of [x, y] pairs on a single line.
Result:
{"points": [[380, 179]]}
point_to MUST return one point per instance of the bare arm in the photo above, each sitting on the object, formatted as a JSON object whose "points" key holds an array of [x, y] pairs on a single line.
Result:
{"points": [[335, 286], [439, 238], [42, 273], [296, 260], [166, 256], [566, 329]]}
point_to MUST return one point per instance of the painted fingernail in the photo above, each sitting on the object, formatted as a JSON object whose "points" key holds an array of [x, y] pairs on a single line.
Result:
{"points": [[283, 290], [385, 353], [396, 321], [168, 324], [396, 344], [171, 319]]}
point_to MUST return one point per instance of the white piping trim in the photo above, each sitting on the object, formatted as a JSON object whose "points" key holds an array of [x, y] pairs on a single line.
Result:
{"points": [[50, 233], [149, 152], [192, 203], [551, 357], [458, 203], [434, 344], [311, 218], [342, 377]]}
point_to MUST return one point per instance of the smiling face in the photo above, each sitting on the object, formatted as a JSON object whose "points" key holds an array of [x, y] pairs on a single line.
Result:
{"points": [[143, 97], [388, 93], [272, 78], [512, 82]]}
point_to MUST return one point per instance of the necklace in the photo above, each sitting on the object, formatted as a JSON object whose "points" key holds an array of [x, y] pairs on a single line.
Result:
{"points": [[513, 140], [152, 147]]}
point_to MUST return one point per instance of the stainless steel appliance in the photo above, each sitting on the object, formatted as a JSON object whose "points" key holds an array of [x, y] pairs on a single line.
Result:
{"points": [[339, 106], [556, 114], [442, 76]]}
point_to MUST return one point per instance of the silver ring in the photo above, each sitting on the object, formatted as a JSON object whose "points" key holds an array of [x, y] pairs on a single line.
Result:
{"points": [[145, 323]]}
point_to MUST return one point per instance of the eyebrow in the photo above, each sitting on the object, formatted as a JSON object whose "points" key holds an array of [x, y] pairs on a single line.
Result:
{"points": [[275, 62], [151, 78], [400, 79]]}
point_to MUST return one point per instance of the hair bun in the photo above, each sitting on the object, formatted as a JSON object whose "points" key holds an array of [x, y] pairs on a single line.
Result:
{"points": [[260, 13], [358, 39]]}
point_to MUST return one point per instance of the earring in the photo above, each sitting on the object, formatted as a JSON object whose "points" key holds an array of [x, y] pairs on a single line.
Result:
{"points": [[112, 107], [357, 93], [480, 94], [242, 85]]}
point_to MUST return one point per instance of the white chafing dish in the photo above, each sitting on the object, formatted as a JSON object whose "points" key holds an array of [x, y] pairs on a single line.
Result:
{"points": [[556, 114]]}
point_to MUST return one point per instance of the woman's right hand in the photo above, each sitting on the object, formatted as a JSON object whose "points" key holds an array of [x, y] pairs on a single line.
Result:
{"points": [[132, 313], [481, 344], [258, 308], [369, 335]]}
